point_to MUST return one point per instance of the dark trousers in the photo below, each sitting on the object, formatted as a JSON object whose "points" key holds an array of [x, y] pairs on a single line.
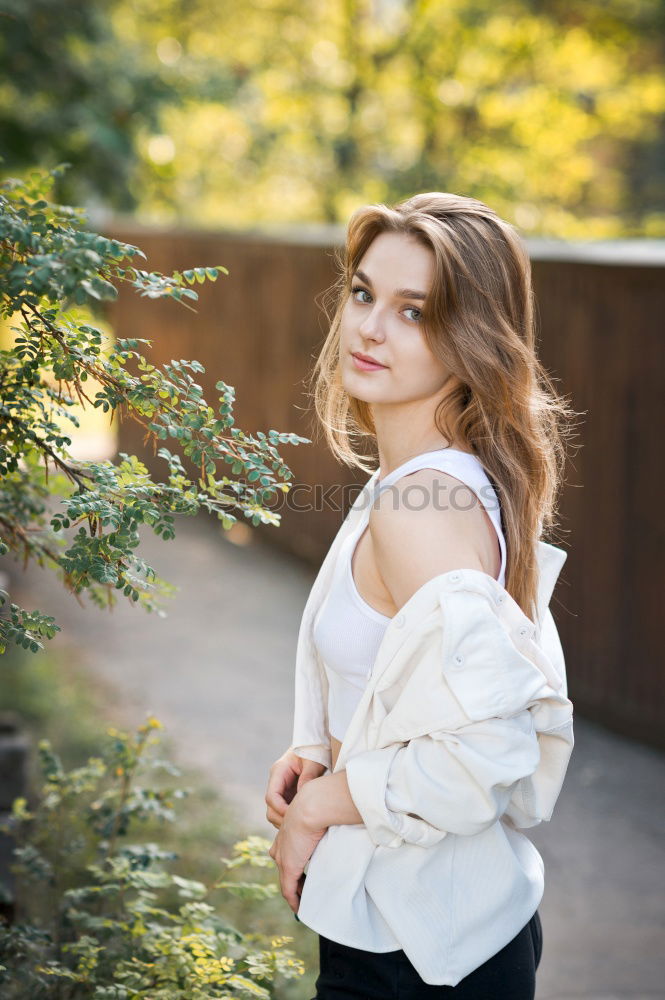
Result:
{"points": [[352, 974]]}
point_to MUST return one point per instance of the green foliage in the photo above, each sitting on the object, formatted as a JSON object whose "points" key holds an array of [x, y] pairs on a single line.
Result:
{"points": [[51, 267], [102, 918]]}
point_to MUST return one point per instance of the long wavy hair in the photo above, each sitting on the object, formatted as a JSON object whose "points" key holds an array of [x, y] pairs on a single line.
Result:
{"points": [[479, 321]]}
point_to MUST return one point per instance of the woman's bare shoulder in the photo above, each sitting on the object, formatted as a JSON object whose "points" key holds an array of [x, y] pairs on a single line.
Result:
{"points": [[426, 524]]}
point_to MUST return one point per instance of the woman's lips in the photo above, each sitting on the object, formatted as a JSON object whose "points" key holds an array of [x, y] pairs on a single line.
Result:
{"points": [[367, 366]]}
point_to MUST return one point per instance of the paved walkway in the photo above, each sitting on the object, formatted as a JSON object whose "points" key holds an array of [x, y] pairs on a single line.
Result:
{"points": [[218, 673]]}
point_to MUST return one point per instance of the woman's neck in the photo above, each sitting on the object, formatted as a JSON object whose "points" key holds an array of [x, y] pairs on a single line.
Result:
{"points": [[404, 432]]}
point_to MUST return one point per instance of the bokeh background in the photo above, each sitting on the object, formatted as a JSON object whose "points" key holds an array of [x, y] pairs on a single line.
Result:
{"points": [[244, 134], [232, 114]]}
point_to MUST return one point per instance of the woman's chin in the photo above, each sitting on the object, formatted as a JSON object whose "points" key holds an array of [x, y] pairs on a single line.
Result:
{"points": [[361, 388], [362, 394]]}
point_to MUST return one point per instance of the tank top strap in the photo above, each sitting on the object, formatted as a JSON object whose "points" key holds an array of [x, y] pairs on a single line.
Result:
{"points": [[465, 467]]}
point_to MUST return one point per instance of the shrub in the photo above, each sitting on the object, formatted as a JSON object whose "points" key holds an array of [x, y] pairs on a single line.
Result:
{"points": [[104, 918]]}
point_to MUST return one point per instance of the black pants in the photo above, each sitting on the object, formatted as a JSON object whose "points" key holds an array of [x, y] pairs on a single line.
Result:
{"points": [[352, 974]]}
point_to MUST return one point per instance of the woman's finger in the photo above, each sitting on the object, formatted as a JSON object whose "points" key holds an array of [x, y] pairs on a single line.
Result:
{"points": [[274, 800], [289, 886], [288, 880], [274, 817], [282, 783]]}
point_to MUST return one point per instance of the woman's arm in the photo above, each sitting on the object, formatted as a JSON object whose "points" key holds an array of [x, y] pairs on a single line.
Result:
{"points": [[462, 780], [327, 801]]}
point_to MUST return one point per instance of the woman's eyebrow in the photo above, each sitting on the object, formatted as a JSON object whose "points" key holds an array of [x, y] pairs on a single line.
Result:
{"points": [[400, 293]]}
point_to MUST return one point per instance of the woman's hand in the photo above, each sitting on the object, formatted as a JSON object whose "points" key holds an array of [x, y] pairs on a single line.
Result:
{"points": [[287, 776], [293, 846]]}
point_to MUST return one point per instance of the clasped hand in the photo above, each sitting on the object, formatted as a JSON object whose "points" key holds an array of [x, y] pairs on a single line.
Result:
{"points": [[290, 810]]}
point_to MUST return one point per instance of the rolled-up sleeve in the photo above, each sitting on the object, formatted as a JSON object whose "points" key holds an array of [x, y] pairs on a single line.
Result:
{"points": [[317, 752], [457, 782]]}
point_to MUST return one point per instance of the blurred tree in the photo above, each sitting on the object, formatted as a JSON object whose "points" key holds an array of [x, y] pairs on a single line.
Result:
{"points": [[75, 90], [553, 113], [72, 92]]}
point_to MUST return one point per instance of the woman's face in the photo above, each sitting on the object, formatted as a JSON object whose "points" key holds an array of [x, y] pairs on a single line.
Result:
{"points": [[382, 321]]}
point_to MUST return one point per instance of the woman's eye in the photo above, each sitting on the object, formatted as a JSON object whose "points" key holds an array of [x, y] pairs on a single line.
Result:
{"points": [[363, 291], [412, 309]]}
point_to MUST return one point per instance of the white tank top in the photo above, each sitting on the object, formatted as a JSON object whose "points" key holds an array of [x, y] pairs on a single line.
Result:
{"points": [[347, 630]]}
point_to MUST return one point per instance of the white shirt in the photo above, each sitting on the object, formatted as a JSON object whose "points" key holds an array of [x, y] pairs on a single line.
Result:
{"points": [[461, 739]]}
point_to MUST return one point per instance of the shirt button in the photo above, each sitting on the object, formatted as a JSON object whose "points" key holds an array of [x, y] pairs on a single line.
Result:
{"points": [[454, 577], [458, 659], [399, 621]]}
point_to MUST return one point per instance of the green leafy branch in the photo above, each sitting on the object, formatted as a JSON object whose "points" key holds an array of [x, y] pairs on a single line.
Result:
{"points": [[52, 272]]}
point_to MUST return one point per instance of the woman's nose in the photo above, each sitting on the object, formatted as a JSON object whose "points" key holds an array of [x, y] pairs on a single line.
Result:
{"points": [[372, 325]]}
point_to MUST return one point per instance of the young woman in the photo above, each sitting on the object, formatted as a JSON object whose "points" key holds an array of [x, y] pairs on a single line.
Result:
{"points": [[432, 721]]}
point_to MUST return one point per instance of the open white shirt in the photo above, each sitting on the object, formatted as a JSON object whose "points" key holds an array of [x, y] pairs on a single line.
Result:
{"points": [[461, 739]]}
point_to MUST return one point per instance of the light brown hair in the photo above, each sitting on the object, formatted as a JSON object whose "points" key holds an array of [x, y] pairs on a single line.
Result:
{"points": [[479, 321]]}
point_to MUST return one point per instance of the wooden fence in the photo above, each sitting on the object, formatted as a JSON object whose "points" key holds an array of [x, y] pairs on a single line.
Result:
{"points": [[601, 314]]}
